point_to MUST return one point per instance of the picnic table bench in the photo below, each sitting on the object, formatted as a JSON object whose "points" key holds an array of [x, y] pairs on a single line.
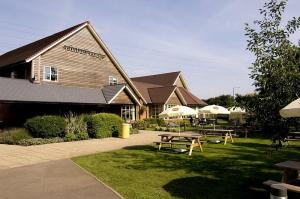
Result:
{"points": [[224, 133], [293, 136], [190, 141], [287, 167]]}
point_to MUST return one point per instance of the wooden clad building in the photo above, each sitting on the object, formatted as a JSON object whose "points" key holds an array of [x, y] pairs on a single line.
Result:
{"points": [[73, 70]]}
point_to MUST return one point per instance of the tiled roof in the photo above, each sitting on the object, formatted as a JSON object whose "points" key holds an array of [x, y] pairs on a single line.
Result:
{"points": [[158, 88], [19, 55], [160, 95], [110, 91], [190, 98], [20, 90], [164, 79]]}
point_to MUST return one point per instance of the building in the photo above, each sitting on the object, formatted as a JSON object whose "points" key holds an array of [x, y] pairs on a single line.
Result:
{"points": [[73, 70], [162, 91]]}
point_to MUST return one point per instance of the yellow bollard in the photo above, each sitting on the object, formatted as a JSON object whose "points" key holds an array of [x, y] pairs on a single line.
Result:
{"points": [[125, 130]]}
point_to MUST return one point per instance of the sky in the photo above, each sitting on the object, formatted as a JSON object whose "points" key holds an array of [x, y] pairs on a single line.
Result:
{"points": [[202, 38]]}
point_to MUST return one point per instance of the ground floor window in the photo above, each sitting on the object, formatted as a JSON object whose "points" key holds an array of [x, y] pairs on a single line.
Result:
{"points": [[155, 110], [128, 112]]}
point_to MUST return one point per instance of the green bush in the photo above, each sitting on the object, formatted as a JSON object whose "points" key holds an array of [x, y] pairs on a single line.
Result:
{"points": [[46, 126], [39, 141], [140, 125], [12, 136], [82, 136], [154, 121], [104, 125], [75, 123], [70, 137]]}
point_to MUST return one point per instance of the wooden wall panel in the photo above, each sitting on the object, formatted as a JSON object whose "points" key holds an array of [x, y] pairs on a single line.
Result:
{"points": [[122, 98], [75, 69], [174, 99], [179, 83]]}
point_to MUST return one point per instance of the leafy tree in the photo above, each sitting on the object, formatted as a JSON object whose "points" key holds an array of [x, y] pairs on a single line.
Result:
{"points": [[222, 100], [276, 69]]}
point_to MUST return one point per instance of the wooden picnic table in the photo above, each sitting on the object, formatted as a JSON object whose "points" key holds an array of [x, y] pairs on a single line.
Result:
{"points": [[288, 167], [226, 133], [189, 140]]}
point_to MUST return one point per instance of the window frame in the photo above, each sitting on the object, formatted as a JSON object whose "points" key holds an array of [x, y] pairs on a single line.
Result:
{"points": [[112, 80], [44, 74], [129, 111]]}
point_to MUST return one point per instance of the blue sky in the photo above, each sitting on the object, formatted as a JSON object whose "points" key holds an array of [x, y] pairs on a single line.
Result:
{"points": [[202, 38]]}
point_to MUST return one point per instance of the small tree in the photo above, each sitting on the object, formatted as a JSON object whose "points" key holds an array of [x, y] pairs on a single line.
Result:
{"points": [[276, 69], [222, 100]]}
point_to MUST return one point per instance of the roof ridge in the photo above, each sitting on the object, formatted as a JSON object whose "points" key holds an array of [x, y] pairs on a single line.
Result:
{"points": [[24, 52], [156, 74]]}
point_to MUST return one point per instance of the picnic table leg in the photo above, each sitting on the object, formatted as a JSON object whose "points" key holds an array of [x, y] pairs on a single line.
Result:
{"points": [[191, 147], [159, 146], [231, 137], [226, 136], [200, 145]]}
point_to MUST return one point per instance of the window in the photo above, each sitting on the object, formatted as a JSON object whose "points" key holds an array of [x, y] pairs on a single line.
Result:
{"points": [[112, 80], [167, 106], [128, 112], [50, 74], [155, 110]]}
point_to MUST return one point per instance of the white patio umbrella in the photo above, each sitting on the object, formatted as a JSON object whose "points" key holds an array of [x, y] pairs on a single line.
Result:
{"points": [[214, 110], [236, 113], [291, 110], [178, 111]]}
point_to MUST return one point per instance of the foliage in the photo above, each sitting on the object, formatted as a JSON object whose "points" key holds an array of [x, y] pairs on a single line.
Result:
{"points": [[222, 100], [211, 174], [140, 125], [104, 125], [75, 124], [39, 141], [75, 137], [276, 69], [155, 121], [46, 126], [13, 136]]}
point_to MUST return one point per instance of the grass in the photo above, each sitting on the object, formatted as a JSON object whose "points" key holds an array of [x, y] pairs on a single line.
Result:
{"points": [[233, 171]]}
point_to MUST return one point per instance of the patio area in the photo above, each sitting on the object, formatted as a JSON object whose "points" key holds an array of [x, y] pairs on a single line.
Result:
{"points": [[15, 156]]}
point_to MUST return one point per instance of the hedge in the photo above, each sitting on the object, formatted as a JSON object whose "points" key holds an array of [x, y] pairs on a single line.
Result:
{"points": [[104, 125], [46, 126]]}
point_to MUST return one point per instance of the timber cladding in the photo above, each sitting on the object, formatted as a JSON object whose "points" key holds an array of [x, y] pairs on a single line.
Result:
{"points": [[174, 99], [77, 68], [122, 98]]}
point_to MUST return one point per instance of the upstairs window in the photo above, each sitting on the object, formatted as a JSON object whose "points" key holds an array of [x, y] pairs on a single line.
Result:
{"points": [[112, 80], [50, 73]]}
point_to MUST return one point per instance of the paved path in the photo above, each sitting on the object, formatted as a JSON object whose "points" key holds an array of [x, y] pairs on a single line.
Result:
{"points": [[12, 156], [60, 179]]}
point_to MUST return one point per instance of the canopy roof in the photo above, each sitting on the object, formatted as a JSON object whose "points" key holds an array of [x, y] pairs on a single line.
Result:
{"points": [[291, 110]]}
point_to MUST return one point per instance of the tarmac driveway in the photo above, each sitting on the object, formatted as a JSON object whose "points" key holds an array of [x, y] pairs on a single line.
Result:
{"points": [[58, 179]]}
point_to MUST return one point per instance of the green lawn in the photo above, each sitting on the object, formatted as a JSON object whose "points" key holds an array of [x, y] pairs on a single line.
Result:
{"points": [[232, 171]]}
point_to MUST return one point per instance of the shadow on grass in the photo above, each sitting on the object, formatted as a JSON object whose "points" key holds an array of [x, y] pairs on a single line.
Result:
{"points": [[222, 172], [210, 188]]}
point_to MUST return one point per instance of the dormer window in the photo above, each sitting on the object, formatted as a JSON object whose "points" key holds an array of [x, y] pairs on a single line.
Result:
{"points": [[50, 73], [112, 80]]}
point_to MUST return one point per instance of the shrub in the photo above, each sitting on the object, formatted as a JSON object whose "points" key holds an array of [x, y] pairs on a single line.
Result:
{"points": [[141, 125], [75, 124], [46, 126], [104, 125], [82, 136], [154, 121], [70, 137], [12, 136], [39, 141]]}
